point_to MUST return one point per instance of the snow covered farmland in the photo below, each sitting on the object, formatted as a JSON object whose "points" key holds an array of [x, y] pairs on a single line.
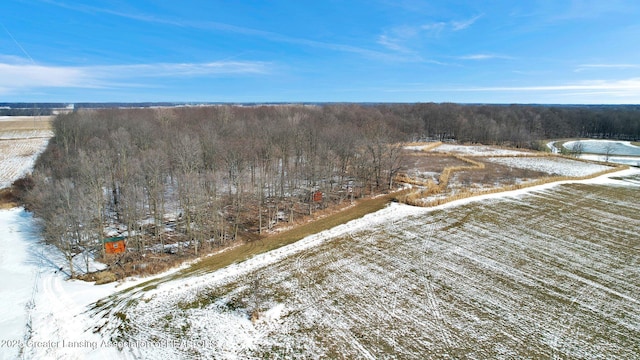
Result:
{"points": [[551, 165], [479, 150], [21, 140], [17, 157], [552, 272]]}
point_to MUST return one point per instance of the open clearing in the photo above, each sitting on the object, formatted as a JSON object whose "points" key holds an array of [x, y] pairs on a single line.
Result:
{"points": [[551, 273]]}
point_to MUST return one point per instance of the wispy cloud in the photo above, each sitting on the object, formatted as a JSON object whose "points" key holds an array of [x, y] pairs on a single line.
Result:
{"points": [[183, 69], [461, 25], [436, 28], [405, 37], [20, 75], [392, 43], [484, 57], [589, 9], [228, 28], [585, 67], [625, 87]]}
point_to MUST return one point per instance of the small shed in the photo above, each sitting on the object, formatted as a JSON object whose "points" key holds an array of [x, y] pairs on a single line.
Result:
{"points": [[114, 245], [317, 196]]}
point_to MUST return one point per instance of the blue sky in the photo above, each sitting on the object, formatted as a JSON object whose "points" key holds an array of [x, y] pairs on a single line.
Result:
{"points": [[553, 51]]}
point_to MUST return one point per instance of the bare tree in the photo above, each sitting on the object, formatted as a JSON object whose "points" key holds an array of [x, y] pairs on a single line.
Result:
{"points": [[577, 149], [154, 165], [608, 150]]}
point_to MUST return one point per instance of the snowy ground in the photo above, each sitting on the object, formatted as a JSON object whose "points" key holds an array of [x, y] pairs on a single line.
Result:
{"points": [[551, 165], [480, 150], [21, 140], [43, 313], [17, 157], [35, 298], [625, 160]]}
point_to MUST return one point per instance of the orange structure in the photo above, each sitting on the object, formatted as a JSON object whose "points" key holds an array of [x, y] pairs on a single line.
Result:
{"points": [[114, 245]]}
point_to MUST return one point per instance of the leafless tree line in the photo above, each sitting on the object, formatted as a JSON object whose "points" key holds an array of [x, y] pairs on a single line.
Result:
{"points": [[203, 176], [519, 125]]}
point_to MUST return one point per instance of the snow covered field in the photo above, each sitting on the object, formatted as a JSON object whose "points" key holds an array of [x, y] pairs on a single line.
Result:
{"points": [[551, 165], [21, 140], [25, 134], [625, 160], [480, 150], [17, 157]]}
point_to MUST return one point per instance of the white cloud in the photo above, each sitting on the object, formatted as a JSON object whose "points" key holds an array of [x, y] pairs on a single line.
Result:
{"points": [[585, 67], [483, 57], [391, 43], [224, 27], [461, 25], [19, 75], [620, 88], [592, 92], [181, 69], [401, 38], [434, 27]]}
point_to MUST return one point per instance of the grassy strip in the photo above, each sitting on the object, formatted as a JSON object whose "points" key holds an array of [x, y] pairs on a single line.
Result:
{"points": [[247, 250], [635, 143], [427, 146], [430, 188], [26, 123]]}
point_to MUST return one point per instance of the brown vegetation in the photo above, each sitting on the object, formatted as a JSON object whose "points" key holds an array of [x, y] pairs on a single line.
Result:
{"points": [[491, 177], [7, 200], [21, 123]]}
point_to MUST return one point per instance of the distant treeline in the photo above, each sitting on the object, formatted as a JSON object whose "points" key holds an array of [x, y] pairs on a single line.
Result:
{"points": [[515, 124], [520, 125], [203, 176], [25, 112]]}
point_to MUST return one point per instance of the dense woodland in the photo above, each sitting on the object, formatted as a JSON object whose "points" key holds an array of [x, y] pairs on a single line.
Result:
{"points": [[190, 179]]}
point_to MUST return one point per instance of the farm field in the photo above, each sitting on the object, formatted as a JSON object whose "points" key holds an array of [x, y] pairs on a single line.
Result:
{"points": [[22, 138], [552, 272]]}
